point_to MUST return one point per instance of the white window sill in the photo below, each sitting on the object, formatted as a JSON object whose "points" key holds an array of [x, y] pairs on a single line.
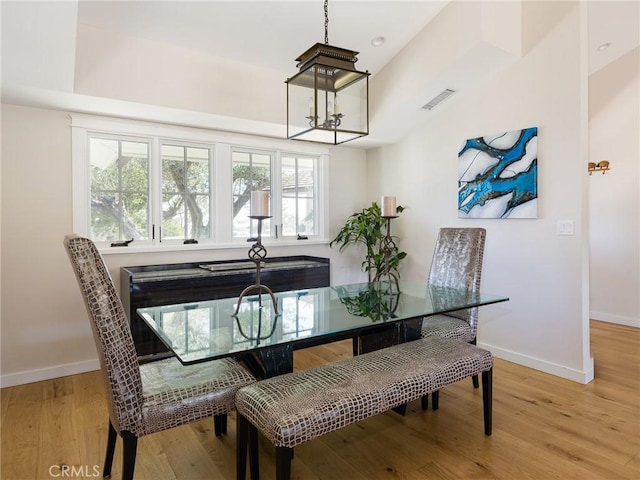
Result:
{"points": [[106, 250]]}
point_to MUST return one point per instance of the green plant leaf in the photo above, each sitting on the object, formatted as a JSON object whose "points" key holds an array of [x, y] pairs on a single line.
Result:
{"points": [[368, 228]]}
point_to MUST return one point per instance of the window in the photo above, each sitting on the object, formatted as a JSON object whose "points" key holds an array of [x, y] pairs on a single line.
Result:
{"points": [[251, 171], [298, 195], [122, 205], [172, 187], [186, 192], [119, 189]]}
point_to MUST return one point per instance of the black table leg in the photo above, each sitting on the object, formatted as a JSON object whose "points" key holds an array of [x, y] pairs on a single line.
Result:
{"points": [[269, 362]]}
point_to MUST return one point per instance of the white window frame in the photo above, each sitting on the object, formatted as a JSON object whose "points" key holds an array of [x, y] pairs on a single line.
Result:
{"points": [[221, 145]]}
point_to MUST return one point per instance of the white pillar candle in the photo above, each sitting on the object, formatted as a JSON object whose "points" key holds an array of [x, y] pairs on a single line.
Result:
{"points": [[259, 204], [388, 206]]}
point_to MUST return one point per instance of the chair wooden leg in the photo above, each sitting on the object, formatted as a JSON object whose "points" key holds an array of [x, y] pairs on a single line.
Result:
{"points": [[435, 397], [254, 459], [425, 402], [283, 463], [111, 448], [130, 446], [474, 379], [220, 424], [487, 399]]}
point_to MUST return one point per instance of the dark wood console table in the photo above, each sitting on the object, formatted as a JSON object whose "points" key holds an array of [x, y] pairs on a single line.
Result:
{"points": [[156, 285]]}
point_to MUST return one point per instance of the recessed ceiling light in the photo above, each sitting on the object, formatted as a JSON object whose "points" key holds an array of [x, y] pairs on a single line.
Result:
{"points": [[604, 46], [378, 41]]}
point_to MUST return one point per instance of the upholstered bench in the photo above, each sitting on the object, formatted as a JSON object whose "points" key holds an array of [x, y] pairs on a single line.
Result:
{"points": [[300, 406]]}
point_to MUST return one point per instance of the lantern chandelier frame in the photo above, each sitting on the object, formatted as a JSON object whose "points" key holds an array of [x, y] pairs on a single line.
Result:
{"points": [[328, 99]]}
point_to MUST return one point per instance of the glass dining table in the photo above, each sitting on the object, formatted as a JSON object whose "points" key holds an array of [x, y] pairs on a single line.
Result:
{"points": [[264, 338]]}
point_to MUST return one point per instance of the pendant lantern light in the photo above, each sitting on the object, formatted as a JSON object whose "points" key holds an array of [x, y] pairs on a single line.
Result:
{"points": [[328, 99]]}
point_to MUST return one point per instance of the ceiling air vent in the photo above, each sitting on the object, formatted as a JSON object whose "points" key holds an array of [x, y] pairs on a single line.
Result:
{"points": [[438, 99]]}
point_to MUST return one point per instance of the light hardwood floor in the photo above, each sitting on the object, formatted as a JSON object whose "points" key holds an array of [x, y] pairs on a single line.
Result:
{"points": [[544, 428]]}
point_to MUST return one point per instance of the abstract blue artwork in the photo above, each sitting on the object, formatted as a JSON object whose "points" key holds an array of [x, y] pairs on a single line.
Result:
{"points": [[498, 175]]}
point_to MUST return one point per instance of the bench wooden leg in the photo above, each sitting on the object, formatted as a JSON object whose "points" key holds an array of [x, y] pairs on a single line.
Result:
{"points": [[242, 439], [246, 439], [487, 399], [425, 402], [435, 397], [220, 424], [283, 463]]}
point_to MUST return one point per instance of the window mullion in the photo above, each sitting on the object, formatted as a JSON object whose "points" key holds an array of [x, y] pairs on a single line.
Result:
{"points": [[276, 193], [296, 171], [155, 190], [185, 194]]}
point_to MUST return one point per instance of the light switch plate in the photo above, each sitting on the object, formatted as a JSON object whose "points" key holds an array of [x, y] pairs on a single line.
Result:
{"points": [[565, 227]]}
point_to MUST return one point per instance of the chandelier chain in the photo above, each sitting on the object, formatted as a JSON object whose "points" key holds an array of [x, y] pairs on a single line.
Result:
{"points": [[326, 22]]}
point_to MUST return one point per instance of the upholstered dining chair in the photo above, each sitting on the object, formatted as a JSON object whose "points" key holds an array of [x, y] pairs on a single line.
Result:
{"points": [[456, 263], [155, 396]]}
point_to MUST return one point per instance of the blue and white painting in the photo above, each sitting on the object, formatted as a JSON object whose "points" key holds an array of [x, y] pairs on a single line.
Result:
{"points": [[498, 176]]}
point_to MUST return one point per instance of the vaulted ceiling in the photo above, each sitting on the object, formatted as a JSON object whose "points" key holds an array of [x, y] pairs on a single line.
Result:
{"points": [[39, 38]]}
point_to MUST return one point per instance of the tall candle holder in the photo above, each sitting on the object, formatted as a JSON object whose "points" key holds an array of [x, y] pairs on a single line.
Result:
{"points": [[388, 247], [257, 253]]}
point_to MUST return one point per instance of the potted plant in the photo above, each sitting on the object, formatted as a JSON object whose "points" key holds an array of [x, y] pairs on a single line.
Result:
{"points": [[368, 228]]}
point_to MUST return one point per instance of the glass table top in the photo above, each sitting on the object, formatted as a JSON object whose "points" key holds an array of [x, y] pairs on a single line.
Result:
{"points": [[207, 330]]}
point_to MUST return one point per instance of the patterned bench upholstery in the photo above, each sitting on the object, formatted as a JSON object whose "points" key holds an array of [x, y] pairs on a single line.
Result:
{"points": [[294, 408]]}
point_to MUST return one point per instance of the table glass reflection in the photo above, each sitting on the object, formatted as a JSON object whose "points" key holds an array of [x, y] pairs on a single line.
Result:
{"points": [[207, 330]]}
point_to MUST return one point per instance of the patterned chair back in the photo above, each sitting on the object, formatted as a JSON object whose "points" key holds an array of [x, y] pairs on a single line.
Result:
{"points": [[457, 263], [111, 332]]}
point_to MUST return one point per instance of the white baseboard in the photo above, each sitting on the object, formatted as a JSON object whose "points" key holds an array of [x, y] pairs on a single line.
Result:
{"points": [[611, 318], [562, 371], [21, 378], [579, 376]]}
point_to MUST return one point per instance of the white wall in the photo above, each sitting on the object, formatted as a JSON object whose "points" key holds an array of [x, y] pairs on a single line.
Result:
{"points": [[46, 34], [45, 331], [614, 198], [123, 67], [545, 323]]}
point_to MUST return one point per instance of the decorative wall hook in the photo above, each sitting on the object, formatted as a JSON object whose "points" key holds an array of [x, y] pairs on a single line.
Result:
{"points": [[601, 166]]}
